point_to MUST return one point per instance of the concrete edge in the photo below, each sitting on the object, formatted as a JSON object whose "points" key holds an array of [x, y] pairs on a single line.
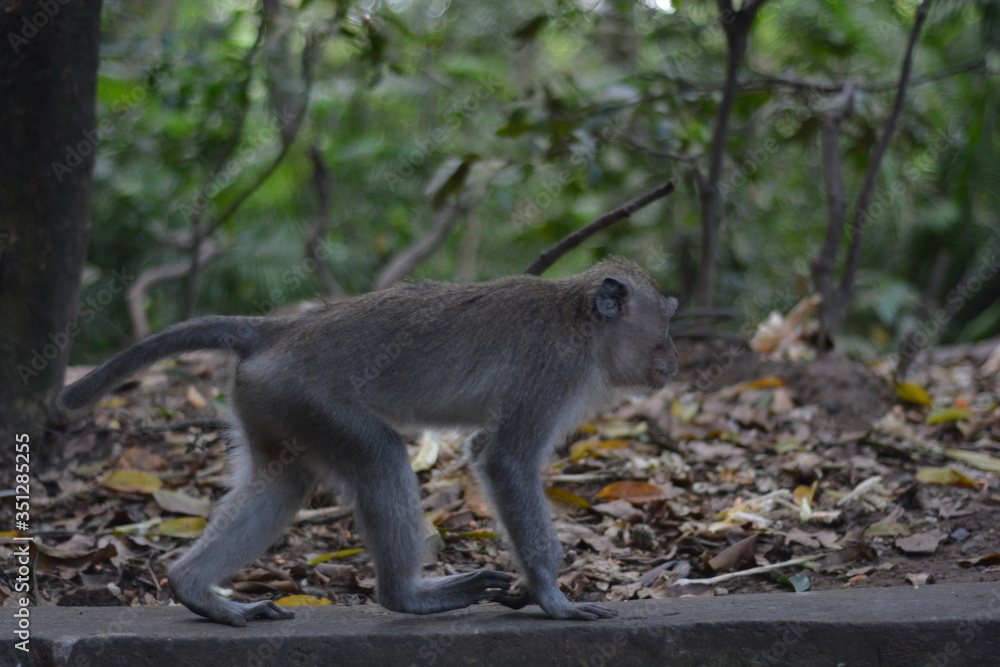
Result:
{"points": [[938, 625]]}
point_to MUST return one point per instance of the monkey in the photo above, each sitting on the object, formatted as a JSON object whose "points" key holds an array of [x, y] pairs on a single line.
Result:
{"points": [[324, 395]]}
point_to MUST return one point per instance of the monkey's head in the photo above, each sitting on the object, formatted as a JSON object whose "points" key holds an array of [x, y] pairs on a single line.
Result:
{"points": [[633, 342]]}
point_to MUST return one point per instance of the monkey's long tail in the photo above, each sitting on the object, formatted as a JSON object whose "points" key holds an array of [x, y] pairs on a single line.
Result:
{"points": [[238, 334]]}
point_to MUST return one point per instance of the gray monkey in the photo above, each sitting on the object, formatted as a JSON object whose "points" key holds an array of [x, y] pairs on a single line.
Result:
{"points": [[322, 394]]}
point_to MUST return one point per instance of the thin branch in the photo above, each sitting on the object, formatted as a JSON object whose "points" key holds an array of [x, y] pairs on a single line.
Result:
{"points": [[201, 201], [135, 297], [403, 263], [861, 218], [926, 334], [658, 152], [693, 159], [549, 256], [769, 81], [833, 181], [291, 122], [322, 223], [763, 569], [736, 25]]}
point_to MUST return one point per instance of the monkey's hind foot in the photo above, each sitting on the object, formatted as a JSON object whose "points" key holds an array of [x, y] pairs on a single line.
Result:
{"points": [[251, 611], [221, 610], [583, 611], [456, 591]]}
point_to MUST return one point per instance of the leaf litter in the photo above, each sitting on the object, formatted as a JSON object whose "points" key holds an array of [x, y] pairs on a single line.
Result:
{"points": [[757, 474]]}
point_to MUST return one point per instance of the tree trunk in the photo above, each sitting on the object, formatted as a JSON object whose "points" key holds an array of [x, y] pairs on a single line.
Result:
{"points": [[736, 25], [48, 84]]}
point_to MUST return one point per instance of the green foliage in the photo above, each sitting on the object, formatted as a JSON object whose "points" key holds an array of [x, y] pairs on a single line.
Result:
{"points": [[541, 117]]}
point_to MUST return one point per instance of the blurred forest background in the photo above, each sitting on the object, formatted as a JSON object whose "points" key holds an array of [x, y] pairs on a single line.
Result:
{"points": [[303, 153]]}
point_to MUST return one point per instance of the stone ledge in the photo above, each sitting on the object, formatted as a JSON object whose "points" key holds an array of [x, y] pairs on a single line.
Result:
{"points": [[945, 624]]}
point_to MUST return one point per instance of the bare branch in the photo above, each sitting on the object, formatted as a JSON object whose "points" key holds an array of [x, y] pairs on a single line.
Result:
{"points": [[659, 152], [201, 201], [736, 26], [403, 263], [135, 297], [833, 181], [770, 81], [549, 256], [322, 223], [291, 123], [861, 218]]}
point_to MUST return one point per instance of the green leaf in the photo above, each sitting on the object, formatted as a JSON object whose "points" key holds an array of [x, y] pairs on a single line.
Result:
{"points": [[913, 393], [945, 476], [798, 582], [566, 496], [530, 28], [343, 553], [185, 526], [974, 459], [477, 535], [949, 415]]}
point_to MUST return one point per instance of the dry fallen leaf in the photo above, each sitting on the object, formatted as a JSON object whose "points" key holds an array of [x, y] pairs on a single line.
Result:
{"points": [[142, 458], [887, 530], [181, 503], [987, 560], [634, 492], [732, 556], [195, 398], [619, 509], [920, 579], [127, 480], [921, 543]]}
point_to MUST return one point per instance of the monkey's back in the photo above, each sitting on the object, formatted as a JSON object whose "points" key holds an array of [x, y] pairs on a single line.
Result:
{"points": [[409, 350]]}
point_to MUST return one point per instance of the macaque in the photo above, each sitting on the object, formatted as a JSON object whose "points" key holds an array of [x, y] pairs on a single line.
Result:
{"points": [[323, 395]]}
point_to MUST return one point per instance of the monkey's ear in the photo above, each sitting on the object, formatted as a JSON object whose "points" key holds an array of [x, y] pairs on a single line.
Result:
{"points": [[610, 299]]}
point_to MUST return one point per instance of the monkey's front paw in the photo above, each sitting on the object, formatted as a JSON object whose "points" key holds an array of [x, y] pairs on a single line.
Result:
{"points": [[581, 612], [266, 609]]}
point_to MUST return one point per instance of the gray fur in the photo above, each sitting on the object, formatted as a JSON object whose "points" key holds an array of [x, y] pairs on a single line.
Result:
{"points": [[321, 395]]}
